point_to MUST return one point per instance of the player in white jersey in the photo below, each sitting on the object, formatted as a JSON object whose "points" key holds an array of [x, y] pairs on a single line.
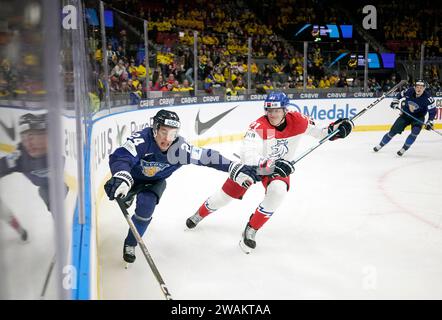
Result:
{"points": [[269, 143]]}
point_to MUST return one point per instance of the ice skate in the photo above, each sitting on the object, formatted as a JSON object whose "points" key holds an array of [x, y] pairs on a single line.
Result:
{"points": [[377, 148], [247, 242], [129, 254], [401, 152], [192, 221]]}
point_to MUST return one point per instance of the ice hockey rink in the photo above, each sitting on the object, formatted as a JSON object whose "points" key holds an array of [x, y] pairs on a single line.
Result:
{"points": [[355, 225]]}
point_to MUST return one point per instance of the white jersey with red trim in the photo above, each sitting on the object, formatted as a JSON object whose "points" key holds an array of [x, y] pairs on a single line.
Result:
{"points": [[263, 141]]}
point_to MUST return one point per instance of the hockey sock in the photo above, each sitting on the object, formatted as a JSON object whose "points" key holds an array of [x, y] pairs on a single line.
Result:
{"points": [[386, 139], [213, 203], [276, 191], [411, 137], [146, 203], [260, 217], [141, 224]]}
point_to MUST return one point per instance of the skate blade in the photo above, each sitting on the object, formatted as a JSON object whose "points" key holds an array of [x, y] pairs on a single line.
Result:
{"points": [[244, 248]]}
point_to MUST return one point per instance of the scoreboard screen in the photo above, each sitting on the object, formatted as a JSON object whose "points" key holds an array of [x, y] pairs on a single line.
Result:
{"points": [[375, 60], [324, 32]]}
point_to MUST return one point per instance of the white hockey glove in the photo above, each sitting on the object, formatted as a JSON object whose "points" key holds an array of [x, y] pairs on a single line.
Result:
{"points": [[394, 104], [429, 125], [119, 185], [243, 175]]}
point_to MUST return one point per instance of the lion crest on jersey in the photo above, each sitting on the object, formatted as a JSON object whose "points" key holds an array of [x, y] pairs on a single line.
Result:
{"points": [[150, 169], [413, 106], [280, 149]]}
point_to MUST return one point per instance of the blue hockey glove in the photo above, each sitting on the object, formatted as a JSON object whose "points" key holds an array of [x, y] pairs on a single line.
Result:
{"points": [[283, 168], [119, 185], [243, 175], [344, 125]]}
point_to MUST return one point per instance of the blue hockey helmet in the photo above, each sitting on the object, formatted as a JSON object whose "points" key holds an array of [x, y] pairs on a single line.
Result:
{"points": [[275, 100]]}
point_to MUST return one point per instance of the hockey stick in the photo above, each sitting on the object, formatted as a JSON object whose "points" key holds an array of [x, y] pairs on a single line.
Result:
{"points": [[419, 121], [48, 276], [145, 251], [356, 116]]}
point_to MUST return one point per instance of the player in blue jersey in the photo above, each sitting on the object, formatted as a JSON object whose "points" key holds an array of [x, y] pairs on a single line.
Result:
{"points": [[141, 166], [30, 159], [418, 102]]}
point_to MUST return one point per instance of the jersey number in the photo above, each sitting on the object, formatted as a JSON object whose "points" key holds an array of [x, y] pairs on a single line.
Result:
{"points": [[255, 125], [136, 140]]}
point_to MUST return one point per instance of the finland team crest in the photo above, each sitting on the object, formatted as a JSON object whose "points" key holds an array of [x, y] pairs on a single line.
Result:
{"points": [[413, 106], [150, 169]]}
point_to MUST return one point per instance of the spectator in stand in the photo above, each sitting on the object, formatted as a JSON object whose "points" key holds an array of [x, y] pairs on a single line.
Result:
{"points": [[187, 88], [120, 53], [135, 81], [141, 71], [388, 84], [132, 70], [268, 85], [118, 74], [240, 87], [111, 56], [219, 77], [208, 82], [230, 90], [324, 83], [176, 86], [342, 83], [373, 85], [310, 84], [171, 78], [167, 87]]}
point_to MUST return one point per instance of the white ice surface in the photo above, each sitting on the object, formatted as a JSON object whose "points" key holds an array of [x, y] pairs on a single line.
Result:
{"points": [[354, 225], [27, 264]]}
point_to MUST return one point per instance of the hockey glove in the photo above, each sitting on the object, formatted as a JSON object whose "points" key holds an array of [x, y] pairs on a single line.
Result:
{"points": [[266, 167], [344, 125], [119, 185], [283, 168], [394, 104], [429, 125], [243, 175]]}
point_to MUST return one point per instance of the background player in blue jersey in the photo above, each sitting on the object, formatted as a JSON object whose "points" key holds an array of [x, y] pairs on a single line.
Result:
{"points": [[417, 103], [30, 159], [141, 166]]}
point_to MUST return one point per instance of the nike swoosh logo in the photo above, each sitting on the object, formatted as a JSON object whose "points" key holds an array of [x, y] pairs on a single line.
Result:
{"points": [[201, 127], [9, 131]]}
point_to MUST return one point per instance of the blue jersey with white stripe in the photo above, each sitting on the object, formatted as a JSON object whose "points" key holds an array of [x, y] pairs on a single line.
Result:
{"points": [[35, 169], [418, 106], [141, 156]]}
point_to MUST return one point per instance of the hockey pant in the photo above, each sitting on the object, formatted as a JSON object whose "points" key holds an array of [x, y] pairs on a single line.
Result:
{"points": [[276, 189], [399, 126]]}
